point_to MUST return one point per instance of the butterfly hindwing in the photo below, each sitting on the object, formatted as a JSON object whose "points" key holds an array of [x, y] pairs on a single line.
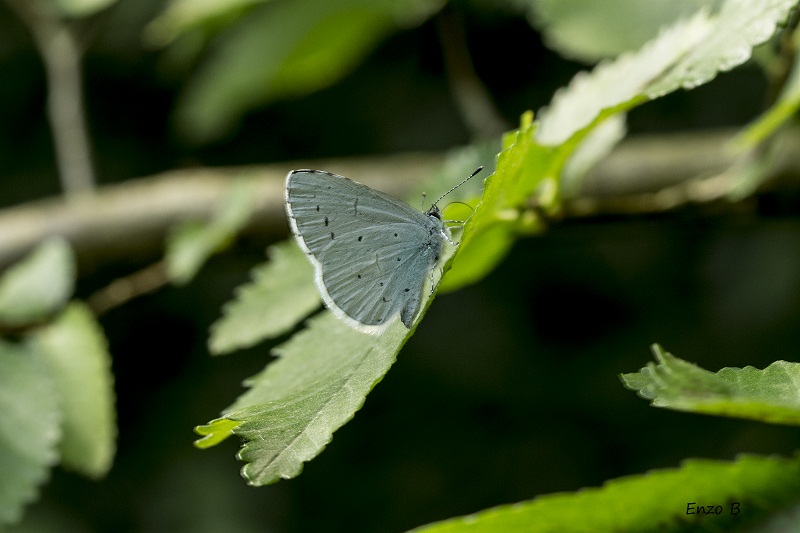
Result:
{"points": [[372, 254]]}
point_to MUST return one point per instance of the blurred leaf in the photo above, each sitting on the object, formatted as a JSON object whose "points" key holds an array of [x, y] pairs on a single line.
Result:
{"points": [[293, 407], [75, 350], [180, 16], [784, 109], [769, 395], [281, 294], [39, 285], [29, 428], [749, 487], [758, 143], [190, 244], [752, 168], [80, 8], [589, 31], [286, 48], [592, 149]]}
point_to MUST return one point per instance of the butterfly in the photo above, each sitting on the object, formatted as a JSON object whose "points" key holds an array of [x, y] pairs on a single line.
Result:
{"points": [[372, 253]]}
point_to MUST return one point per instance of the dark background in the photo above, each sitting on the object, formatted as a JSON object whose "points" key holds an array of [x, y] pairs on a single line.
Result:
{"points": [[508, 390]]}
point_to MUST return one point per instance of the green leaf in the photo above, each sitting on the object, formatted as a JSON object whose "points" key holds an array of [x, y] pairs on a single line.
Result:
{"points": [[286, 49], [619, 85], [215, 432], [80, 8], [319, 381], [532, 164], [686, 54], [736, 30], [769, 395], [39, 285], [522, 167], [590, 31], [293, 407], [75, 351], [29, 428], [191, 244], [661, 500], [281, 294]]}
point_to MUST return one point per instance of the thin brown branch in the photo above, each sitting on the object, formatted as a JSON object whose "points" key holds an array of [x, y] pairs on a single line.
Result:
{"points": [[127, 288], [642, 175], [131, 219]]}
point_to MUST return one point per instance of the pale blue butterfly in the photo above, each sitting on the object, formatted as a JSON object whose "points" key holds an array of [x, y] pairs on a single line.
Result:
{"points": [[371, 253]]}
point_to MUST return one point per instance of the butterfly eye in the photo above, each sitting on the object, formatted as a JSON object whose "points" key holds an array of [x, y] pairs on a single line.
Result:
{"points": [[434, 213]]}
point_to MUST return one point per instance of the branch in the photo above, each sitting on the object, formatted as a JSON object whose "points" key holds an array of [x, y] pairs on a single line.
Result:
{"points": [[643, 175], [131, 218]]}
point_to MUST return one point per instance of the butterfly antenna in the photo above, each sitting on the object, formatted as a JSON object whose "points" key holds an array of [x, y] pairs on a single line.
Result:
{"points": [[459, 185]]}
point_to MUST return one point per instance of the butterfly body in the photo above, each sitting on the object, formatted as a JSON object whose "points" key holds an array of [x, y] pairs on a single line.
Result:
{"points": [[372, 254]]}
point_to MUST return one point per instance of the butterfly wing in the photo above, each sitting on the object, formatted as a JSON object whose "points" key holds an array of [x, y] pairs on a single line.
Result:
{"points": [[371, 253]]}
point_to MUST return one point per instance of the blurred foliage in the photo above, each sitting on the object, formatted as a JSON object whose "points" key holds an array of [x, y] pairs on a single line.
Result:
{"points": [[590, 31], [39, 286], [56, 388], [192, 242], [507, 389], [280, 49]]}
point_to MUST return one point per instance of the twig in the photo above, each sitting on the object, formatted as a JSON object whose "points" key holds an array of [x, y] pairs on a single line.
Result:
{"points": [[122, 290], [65, 109], [470, 94], [642, 175]]}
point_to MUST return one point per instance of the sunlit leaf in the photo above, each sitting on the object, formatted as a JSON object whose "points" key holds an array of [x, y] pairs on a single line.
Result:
{"points": [[316, 385], [318, 382], [662, 500], [281, 294], [769, 395], [686, 55], [531, 166]]}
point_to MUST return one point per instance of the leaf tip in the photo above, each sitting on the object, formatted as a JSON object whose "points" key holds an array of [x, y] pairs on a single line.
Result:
{"points": [[215, 432]]}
